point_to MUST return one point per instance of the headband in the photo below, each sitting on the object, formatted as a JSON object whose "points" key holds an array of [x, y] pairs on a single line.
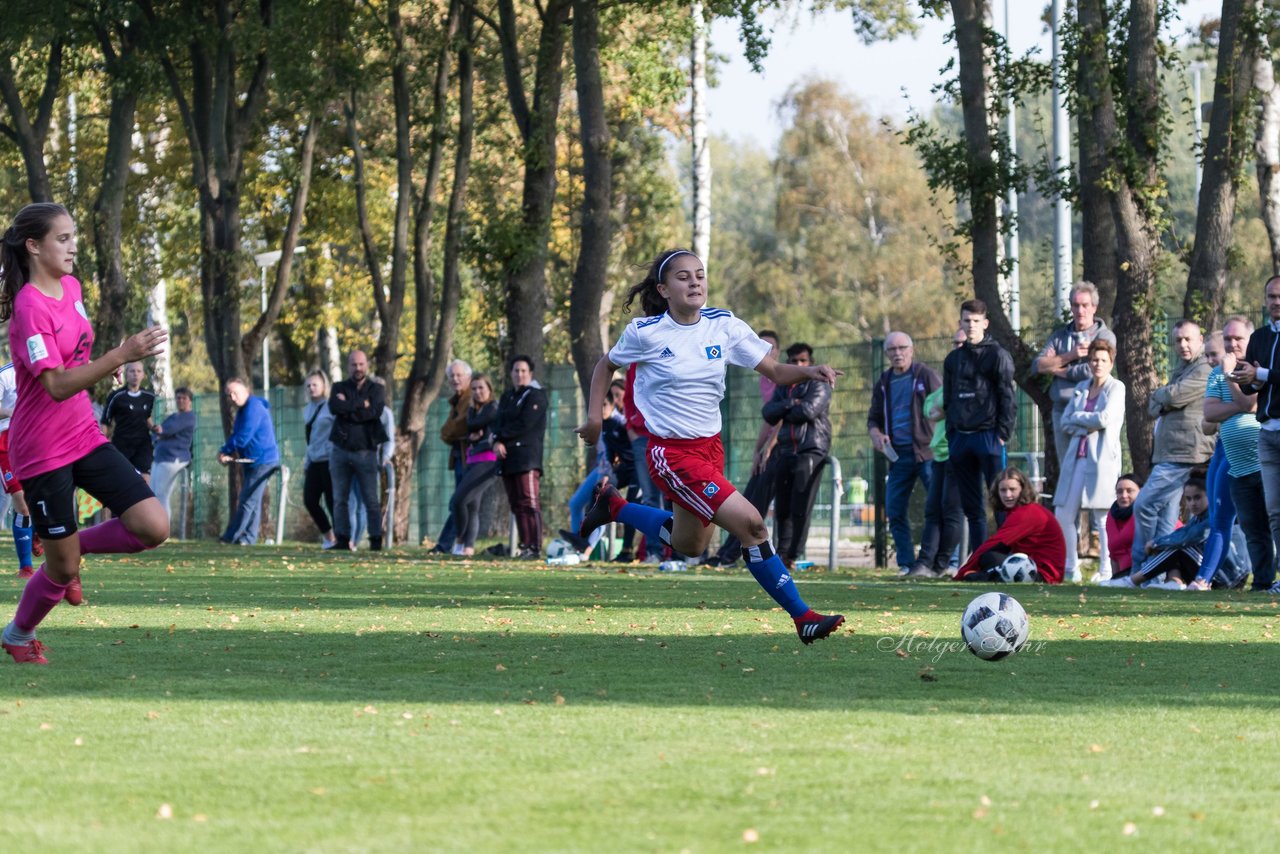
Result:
{"points": [[663, 265]]}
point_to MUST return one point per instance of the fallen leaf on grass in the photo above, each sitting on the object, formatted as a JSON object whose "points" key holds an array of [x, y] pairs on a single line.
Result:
{"points": [[750, 835], [500, 668], [1097, 748], [165, 812], [559, 699], [1129, 828]]}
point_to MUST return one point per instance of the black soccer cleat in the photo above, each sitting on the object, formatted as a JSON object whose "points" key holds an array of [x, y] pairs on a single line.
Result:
{"points": [[814, 626], [599, 514]]}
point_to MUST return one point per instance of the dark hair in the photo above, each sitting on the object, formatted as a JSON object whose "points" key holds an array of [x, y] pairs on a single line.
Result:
{"points": [[769, 333], [1131, 476], [528, 360], [651, 302], [1103, 344], [1028, 495], [799, 347], [182, 391], [1196, 481], [974, 306], [33, 222]]}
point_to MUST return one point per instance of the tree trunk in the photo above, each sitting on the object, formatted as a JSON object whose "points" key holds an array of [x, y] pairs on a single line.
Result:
{"points": [[108, 208], [1098, 244], [589, 277], [1267, 149], [526, 266], [430, 356], [701, 139], [1224, 157], [984, 193], [30, 134]]}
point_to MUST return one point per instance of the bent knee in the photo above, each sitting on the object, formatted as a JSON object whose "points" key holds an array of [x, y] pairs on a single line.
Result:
{"points": [[154, 532], [755, 532]]}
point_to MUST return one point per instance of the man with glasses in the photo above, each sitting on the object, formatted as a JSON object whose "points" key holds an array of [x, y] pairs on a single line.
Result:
{"points": [[1065, 356], [804, 438], [900, 430]]}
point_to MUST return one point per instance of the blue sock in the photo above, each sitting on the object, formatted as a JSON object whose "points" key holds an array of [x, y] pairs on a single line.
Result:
{"points": [[22, 538], [653, 522], [773, 577]]}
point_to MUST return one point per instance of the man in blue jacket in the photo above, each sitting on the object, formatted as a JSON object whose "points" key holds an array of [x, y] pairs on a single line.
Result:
{"points": [[252, 444]]}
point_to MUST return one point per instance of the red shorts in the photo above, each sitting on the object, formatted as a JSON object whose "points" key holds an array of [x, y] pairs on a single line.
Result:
{"points": [[10, 480], [690, 472]]}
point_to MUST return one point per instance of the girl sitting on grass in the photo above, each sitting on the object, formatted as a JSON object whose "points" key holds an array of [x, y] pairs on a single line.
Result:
{"points": [[1028, 528]]}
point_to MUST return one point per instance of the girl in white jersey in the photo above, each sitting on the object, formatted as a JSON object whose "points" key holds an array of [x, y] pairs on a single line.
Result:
{"points": [[54, 438], [681, 350]]}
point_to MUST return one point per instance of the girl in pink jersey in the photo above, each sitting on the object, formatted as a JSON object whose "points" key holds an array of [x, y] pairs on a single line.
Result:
{"points": [[53, 437], [681, 350]]}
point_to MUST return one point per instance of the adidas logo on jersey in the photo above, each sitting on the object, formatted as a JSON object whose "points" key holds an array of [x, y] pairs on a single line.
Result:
{"points": [[666, 353]]}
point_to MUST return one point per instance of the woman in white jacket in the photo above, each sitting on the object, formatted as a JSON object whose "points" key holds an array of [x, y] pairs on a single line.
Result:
{"points": [[1091, 464]]}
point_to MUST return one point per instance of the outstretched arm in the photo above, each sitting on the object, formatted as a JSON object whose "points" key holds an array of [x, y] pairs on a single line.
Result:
{"points": [[786, 374], [601, 377], [64, 383]]}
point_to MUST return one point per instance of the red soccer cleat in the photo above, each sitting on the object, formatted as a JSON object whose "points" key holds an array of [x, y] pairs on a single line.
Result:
{"points": [[37, 547], [814, 626], [27, 653], [75, 593], [601, 510], [26, 571]]}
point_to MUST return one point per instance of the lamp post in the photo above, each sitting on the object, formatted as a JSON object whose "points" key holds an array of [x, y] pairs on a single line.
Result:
{"points": [[265, 260]]}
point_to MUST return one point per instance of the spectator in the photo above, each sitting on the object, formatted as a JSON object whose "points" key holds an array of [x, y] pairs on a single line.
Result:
{"points": [[518, 429], [356, 403], [978, 397], [1235, 487], [317, 482], [252, 444], [1028, 528], [454, 434], [760, 486], [1180, 442], [614, 465], [127, 419], [1092, 424], [801, 412], [482, 464], [174, 438], [902, 432], [1065, 357], [943, 518], [1176, 554], [1119, 530], [1259, 374], [358, 512]]}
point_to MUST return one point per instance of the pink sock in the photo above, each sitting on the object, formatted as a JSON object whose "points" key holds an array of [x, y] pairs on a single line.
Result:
{"points": [[38, 599], [111, 537]]}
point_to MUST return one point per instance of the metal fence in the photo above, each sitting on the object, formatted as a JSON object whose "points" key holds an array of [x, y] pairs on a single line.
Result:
{"points": [[565, 462]]}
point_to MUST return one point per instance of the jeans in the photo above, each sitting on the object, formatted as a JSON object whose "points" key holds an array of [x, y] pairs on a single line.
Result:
{"points": [[1251, 510], [943, 520], [245, 522], [897, 499], [449, 533], [581, 499], [976, 459], [1156, 510], [362, 467], [1269, 456], [649, 493], [164, 476], [1222, 514]]}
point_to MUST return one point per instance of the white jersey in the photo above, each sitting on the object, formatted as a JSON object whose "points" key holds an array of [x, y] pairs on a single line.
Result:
{"points": [[680, 369], [8, 392]]}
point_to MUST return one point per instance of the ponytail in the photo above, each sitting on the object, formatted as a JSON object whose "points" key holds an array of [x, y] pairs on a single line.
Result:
{"points": [[653, 303], [33, 222]]}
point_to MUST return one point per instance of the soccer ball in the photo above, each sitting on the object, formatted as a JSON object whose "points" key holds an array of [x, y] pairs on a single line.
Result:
{"points": [[559, 548], [994, 626], [1016, 568]]}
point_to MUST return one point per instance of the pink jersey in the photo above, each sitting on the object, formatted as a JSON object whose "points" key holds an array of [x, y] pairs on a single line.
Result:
{"points": [[44, 334]]}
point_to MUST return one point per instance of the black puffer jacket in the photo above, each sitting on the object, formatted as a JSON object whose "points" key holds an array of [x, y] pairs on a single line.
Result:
{"points": [[520, 425], [481, 420], [977, 389], [803, 411]]}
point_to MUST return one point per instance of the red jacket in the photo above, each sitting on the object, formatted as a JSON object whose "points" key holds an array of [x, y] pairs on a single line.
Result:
{"points": [[1120, 543], [1034, 531]]}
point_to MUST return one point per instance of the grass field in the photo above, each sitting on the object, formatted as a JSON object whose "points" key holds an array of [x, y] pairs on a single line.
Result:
{"points": [[217, 699]]}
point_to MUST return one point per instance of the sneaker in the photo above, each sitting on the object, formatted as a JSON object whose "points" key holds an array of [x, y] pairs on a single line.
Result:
{"points": [[26, 571], [1198, 585], [1171, 584], [1274, 590], [37, 547], [624, 557], [920, 570], [328, 544], [1073, 576], [1120, 582], [27, 653], [1100, 577], [599, 513], [75, 593], [814, 626], [580, 544]]}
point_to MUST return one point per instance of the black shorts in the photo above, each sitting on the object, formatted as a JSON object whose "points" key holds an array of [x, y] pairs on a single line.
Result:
{"points": [[139, 453], [104, 473]]}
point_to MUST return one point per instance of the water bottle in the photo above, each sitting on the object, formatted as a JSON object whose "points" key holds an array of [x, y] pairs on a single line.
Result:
{"points": [[570, 559], [673, 566], [804, 564]]}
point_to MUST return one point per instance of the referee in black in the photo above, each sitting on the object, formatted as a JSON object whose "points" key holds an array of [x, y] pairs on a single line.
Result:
{"points": [[127, 419]]}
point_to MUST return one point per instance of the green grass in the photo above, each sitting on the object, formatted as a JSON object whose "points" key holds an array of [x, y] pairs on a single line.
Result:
{"points": [[293, 701]]}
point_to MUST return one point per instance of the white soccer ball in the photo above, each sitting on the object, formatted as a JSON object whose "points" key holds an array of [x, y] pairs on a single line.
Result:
{"points": [[559, 548], [1017, 568], [994, 626]]}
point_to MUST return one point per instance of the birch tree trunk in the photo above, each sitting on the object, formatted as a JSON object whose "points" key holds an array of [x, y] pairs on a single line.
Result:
{"points": [[701, 141], [1266, 146]]}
